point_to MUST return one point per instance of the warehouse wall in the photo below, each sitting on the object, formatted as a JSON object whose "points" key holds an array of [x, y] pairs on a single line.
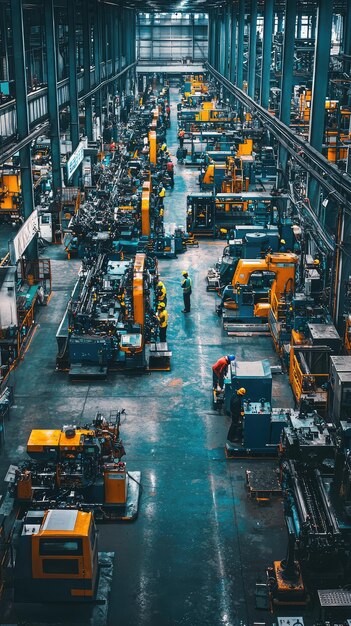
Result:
{"points": [[172, 36]]}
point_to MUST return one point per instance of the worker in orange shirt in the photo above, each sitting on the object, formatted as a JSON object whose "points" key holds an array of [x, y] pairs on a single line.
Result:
{"points": [[219, 370], [181, 136]]}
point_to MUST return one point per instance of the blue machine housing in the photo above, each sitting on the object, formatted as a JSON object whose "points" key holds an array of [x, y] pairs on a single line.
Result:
{"points": [[262, 425], [254, 376]]}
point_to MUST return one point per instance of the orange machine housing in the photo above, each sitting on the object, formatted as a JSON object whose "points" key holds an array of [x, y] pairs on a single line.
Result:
{"points": [[145, 209], [283, 264], [115, 483], [138, 289], [152, 145]]}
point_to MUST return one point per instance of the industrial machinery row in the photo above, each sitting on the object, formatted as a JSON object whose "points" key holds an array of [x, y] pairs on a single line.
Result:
{"points": [[118, 232]]}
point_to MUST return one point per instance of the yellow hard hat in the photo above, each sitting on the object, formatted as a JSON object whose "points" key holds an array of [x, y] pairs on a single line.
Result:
{"points": [[282, 241], [316, 262], [160, 283], [241, 391], [161, 305], [184, 273]]}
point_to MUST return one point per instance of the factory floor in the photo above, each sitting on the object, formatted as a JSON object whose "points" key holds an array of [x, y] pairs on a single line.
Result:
{"points": [[200, 544]]}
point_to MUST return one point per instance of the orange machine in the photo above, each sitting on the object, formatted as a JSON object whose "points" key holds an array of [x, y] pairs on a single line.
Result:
{"points": [[281, 264], [278, 269], [56, 557], [116, 483], [145, 209], [78, 464], [153, 147], [138, 289], [234, 181], [10, 194]]}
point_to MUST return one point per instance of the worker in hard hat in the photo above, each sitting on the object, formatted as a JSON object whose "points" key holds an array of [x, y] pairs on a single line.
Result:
{"points": [[219, 370], [282, 247], [161, 196], [236, 414], [186, 286], [181, 136], [161, 293], [162, 315]]}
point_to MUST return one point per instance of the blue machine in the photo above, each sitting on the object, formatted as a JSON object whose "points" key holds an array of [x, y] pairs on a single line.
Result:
{"points": [[257, 424], [254, 376], [262, 426]]}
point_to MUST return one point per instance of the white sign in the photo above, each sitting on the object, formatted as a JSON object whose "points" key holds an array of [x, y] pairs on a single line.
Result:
{"points": [[75, 160], [24, 236]]}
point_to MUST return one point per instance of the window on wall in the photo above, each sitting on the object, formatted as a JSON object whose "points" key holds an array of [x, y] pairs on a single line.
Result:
{"points": [[172, 36]]}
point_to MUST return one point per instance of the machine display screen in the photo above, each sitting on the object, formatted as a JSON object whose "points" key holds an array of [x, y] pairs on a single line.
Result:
{"points": [[131, 341]]}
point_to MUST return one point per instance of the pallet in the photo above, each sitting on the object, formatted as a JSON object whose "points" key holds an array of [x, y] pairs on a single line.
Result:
{"points": [[263, 484], [158, 358]]}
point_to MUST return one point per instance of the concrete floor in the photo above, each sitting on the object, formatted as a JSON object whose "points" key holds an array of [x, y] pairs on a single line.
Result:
{"points": [[199, 545]]}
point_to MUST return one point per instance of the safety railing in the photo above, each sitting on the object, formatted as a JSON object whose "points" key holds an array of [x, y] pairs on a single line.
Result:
{"points": [[303, 383], [38, 102]]}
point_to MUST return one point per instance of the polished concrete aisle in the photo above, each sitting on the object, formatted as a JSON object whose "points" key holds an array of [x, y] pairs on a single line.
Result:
{"points": [[199, 545]]}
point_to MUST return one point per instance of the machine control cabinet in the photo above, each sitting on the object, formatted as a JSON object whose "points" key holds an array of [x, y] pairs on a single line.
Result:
{"points": [[255, 376], [340, 389], [257, 424]]}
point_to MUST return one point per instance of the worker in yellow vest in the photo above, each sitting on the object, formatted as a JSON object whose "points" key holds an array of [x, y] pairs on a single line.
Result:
{"points": [[161, 196], [161, 292], [162, 315]]}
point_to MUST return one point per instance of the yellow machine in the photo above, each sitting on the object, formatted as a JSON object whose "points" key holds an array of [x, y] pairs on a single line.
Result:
{"points": [[245, 149], [234, 181], [309, 374], [138, 289], [56, 557], [153, 147], [246, 302], [206, 112], [281, 265], [305, 105], [145, 209], [229, 177], [256, 283], [10, 194], [78, 465]]}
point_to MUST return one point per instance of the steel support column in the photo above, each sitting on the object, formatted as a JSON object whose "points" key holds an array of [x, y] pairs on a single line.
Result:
{"points": [[268, 25], [233, 45], [228, 27], [87, 63], [240, 57], [320, 86], [252, 49], [209, 38], [53, 108], [287, 72], [313, 24], [97, 59], [299, 24], [222, 45], [22, 116], [217, 42], [73, 86], [280, 21], [5, 59], [213, 39]]}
